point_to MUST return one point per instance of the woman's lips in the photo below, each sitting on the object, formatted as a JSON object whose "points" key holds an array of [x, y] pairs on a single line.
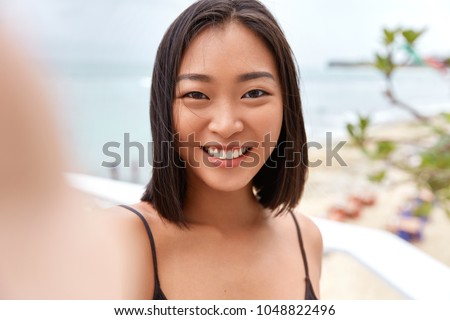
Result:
{"points": [[226, 157]]}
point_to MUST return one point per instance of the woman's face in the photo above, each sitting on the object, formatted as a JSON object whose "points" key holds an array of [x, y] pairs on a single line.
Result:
{"points": [[228, 108]]}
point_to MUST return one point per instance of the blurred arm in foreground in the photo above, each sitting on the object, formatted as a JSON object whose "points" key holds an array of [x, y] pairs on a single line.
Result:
{"points": [[50, 246]]}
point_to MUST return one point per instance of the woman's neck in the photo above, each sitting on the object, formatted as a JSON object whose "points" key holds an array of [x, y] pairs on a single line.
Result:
{"points": [[222, 210]]}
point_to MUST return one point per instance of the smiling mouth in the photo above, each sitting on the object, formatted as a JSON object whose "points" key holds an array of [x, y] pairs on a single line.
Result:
{"points": [[223, 154]]}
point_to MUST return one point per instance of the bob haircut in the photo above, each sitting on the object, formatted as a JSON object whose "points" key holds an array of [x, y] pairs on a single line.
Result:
{"points": [[280, 182]]}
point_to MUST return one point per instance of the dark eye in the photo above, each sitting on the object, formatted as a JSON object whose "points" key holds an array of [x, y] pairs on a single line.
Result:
{"points": [[195, 95], [254, 94]]}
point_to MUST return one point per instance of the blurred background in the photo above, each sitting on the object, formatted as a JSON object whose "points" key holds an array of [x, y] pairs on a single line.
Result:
{"points": [[102, 53], [99, 55]]}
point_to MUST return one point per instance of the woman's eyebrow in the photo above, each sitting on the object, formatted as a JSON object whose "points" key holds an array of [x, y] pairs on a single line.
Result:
{"points": [[255, 75], [194, 77], [241, 78]]}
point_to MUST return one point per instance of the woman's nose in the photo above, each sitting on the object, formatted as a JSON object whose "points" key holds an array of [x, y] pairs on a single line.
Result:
{"points": [[226, 121]]}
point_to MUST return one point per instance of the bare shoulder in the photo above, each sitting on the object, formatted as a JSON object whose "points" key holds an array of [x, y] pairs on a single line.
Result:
{"points": [[130, 238], [125, 219], [122, 224], [311, 234], [125, 222]]}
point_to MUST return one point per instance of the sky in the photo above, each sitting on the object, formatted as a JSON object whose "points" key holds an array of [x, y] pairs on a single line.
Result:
{"points": [[130, 30]]}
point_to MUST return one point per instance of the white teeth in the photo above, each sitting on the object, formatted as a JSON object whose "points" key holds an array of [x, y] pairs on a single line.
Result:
{"points": [[226, 155], [212, 151]]}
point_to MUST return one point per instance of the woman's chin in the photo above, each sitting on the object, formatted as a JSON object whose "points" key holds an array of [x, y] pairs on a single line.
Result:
{"points": [[225, 183], [230, 187]]}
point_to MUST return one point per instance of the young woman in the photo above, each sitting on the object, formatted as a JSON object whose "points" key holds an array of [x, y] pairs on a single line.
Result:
{"points": [[230, 163]]}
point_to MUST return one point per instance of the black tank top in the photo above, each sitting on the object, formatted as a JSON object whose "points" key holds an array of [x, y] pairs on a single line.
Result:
{"points": [[158, 294]]}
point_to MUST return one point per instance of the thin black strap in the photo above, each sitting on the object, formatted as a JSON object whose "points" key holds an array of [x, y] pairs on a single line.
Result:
{"points": [[302, 248], [152, 244], [309, 290]]}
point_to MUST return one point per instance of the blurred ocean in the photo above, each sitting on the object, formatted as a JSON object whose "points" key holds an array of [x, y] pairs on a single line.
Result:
{"points": [[108, 103]]}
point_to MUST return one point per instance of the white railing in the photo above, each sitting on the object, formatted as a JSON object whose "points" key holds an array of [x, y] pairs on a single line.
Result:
{"points": [[410, 271], [413, 273]]}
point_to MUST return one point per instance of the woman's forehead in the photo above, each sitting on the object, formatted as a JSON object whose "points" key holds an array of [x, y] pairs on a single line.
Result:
{"points": [[232, 46]]}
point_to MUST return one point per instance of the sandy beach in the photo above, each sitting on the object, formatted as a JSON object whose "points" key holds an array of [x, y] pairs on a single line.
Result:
{"points": [[342, 276]]}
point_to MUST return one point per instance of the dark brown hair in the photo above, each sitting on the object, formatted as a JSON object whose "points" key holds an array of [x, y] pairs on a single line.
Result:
{"points": [[278, 186]]}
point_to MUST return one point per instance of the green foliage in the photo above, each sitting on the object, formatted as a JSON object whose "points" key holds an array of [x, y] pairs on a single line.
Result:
{"points": [[429, 164], [378, 176], [389, 36], [435, 167], [392, 40], [384, 149], [357, 132], [411, 35], [438, 155], [446, 116], [384, 64], [424, 209]]}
